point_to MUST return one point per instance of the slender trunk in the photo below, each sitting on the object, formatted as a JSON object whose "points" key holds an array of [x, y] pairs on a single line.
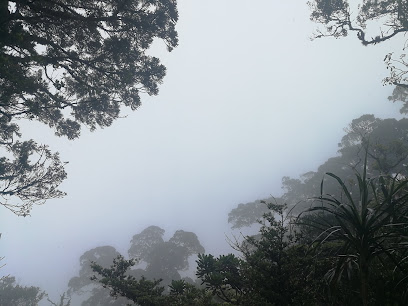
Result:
{"points": [[364, 280], [4, 12], [4, 16], [364, 289]]}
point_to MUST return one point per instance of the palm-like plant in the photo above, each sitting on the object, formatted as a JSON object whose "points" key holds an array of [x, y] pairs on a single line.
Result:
{"points": [[364, 229]]}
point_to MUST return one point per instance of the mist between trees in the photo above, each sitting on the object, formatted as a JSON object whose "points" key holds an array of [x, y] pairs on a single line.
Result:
{"points": [[336, 236]]}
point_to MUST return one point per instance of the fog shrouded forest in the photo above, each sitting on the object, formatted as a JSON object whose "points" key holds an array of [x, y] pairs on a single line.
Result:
{"points": [[203, 153]]}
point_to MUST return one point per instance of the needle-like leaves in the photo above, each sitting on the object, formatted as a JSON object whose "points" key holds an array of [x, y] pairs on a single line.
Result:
{"points": [[365, 228]]}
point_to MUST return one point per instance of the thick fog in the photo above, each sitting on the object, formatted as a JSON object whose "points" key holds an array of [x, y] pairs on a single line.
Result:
{"points": [[248, 98]]}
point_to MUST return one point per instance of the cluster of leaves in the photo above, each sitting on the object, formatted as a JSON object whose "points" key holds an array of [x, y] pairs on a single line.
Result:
{"points": [[273, 267], [247, 214], [161, 261], [13, 294], [120, 282], [374, 22], [347, 247], [368, 234], [69, 64], [86, 57], [387, 155], [338, 18], [142, 291], [352, 238], [222, 276], [183, 293], [164, 259], [29, 175], [348, 250]]}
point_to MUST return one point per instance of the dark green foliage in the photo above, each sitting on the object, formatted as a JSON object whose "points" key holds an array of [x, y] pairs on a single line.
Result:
{"points": [[279, 269], [222, 276], [390, 17], [69, 64], [338, 19], [164, 260], [120, 282], [366, 232], [348, 248], [143, 292], [185, 294], [12, 294], [83, 56], [29, 176], [387, 155], [274, 268], [350, 245]]}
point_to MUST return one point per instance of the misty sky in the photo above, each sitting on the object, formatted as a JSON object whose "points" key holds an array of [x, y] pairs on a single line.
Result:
{"points": [[248, 98]]}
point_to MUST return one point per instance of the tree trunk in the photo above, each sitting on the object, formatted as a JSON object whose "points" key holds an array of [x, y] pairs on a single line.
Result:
{"points": [[364, 281], [4, 16]]}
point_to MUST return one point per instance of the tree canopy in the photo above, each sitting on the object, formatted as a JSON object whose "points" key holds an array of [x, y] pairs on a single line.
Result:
{"points": [[366, 230], [102, 255], [69, 64], [88, 58], [349, 249], [272, 268], [164, 259], [12, 294], [120, 282], [153, 261], [373, 22], [339, 17], [387, 155]]}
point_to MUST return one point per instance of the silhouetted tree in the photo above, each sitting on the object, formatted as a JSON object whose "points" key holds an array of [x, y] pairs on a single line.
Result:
{"points": [[12, 294], [367, 232], [141, 291], [120, 282], [99, 296], [247, 214], [272, 267], [164, 258], [373, 22], [69, 64], [339, 18], [387, 155]]}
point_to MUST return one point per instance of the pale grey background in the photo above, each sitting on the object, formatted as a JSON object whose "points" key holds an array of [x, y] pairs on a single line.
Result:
{"points": [[247, 99]]}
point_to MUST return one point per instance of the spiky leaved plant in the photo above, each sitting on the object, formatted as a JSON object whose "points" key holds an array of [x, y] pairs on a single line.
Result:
{"points": [[365, 229]]}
